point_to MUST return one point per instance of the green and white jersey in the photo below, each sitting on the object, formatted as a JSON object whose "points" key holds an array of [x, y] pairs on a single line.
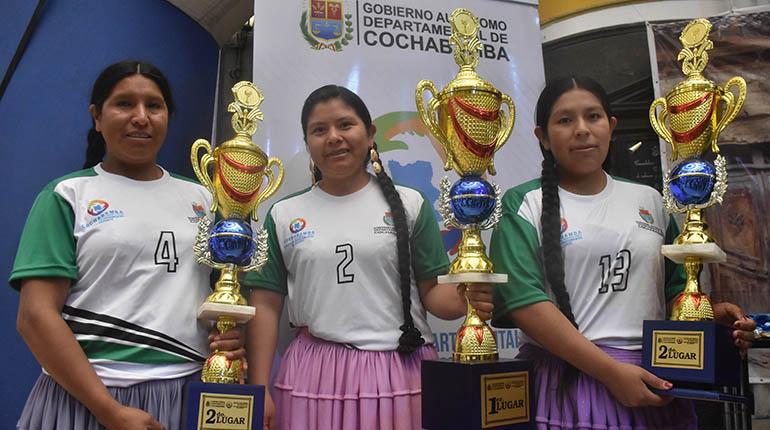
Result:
{"points": [[614, 272], [335, 258], [127, 247]]}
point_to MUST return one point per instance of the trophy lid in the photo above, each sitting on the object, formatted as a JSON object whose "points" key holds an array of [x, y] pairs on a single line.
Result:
{"points": [[694, 54], [695, 44], [465, 29], [246, 114]]}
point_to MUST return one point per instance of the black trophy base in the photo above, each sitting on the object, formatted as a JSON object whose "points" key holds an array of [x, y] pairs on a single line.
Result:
{"points": [[707, 393], [481, 395], [223, 406], [698, 357]]}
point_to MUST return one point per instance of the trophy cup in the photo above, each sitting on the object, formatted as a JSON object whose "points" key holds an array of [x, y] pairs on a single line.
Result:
{"points": [[691, 349], [230, 246], [475, 390]]}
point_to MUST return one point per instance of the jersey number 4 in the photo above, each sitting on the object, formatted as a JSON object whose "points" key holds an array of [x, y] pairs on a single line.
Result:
{"points": [[343, 277], [165, 251], [615, 275]]}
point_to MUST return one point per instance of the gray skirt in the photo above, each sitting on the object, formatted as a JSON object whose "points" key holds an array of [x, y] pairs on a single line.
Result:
{"points": [[50, 407]]}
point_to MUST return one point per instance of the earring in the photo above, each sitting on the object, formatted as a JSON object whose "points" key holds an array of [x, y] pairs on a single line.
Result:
{"points": [[375, 159]]}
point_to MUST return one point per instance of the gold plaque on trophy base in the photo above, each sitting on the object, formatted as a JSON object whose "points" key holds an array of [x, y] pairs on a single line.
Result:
{"points": [[505, 399]]}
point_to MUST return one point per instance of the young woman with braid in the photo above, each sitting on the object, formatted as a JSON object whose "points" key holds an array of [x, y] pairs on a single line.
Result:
{"points": [[582, 250], [358, 258]]}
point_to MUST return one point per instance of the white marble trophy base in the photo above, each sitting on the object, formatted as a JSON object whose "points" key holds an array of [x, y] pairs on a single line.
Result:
{"points": [[708, 252], [473, 278], [212, 311]]}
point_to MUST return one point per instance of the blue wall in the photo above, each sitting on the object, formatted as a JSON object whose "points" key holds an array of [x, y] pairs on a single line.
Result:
{"points": [[12, 25], [44, 118]]}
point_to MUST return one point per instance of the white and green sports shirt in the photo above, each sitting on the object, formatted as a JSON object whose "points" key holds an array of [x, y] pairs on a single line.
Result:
{"points": [[127, 247], [615, 274], [335, 258]]}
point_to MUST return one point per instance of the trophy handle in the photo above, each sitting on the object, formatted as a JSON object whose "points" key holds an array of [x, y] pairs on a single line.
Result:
{"points": [[273, 182], [508, 121], [658, 123], [201, 167], [428, 116], [732, 107]]}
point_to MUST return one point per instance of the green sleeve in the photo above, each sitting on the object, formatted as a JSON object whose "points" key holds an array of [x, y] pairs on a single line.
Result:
{"points": [[675, 277], [273, 274], [429, 258], [514, 250], [47, 245]]}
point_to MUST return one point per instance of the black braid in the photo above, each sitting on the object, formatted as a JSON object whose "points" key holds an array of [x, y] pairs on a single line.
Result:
{"points": [[95, 150], [553, 259], [316, 172], [411, 338], [550, 220]]}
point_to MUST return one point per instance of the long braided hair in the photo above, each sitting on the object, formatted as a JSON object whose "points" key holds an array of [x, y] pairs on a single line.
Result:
{"points": [[411, 338], [550, 218], [103, 86]]}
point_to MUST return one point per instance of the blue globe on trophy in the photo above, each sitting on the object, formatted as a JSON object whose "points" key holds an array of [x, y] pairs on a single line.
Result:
{"points": [[231, 242], [472, 199], [692, 181]]}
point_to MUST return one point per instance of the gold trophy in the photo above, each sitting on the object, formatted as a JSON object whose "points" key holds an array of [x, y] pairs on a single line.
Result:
{"points": [[239, 171], [467, 119], [690, 119], [234, 172]]}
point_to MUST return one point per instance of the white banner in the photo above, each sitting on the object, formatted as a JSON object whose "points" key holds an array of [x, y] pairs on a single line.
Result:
{"points": [[380, 50]]}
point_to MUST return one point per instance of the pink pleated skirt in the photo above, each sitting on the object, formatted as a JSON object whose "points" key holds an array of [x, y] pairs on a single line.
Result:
{"points": [[324, 385], [589, 405]]}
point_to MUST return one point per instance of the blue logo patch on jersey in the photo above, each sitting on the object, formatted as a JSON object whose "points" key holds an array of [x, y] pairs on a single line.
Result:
{"points": [[96, 207], [99, 212], [299, 234], [567, 237], [297, 225]]}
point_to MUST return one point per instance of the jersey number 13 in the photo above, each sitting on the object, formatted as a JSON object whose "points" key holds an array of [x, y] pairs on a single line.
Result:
{"points": [[615, 273]]}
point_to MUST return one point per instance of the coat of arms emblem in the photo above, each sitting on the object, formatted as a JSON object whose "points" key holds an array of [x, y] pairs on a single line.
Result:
{"points": [[646, 216], [326, 26]]}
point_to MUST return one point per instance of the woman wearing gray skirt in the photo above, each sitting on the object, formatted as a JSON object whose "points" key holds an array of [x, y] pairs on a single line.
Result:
{"points": [[108, 282]]}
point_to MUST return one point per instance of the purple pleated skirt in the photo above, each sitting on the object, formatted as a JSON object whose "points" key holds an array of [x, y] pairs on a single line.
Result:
{"points": [[589, 405], [324, 385], [50, 407]]}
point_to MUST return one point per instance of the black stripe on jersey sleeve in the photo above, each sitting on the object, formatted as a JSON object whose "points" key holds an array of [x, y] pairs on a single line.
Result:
{"points": [[78, 327], [82, 313]]}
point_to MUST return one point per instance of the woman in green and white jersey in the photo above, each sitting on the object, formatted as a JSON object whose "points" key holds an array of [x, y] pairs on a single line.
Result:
{"points": [[108, 281], [357, 258], [582, 250]]}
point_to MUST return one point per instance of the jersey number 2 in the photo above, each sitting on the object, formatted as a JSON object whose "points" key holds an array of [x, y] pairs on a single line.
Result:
{"points": [[165, 251], [343, 277], [615, 275]]}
